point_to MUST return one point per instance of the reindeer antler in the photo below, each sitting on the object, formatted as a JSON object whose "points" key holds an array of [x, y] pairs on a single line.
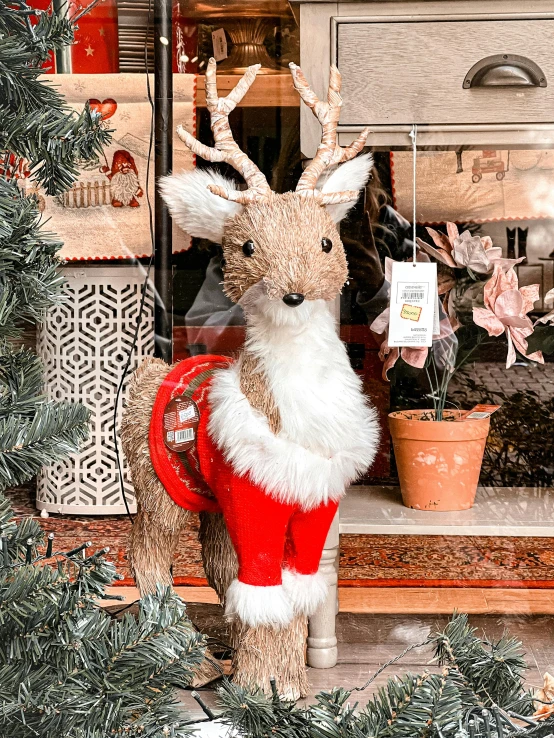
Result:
{"points": [[226, 148], [329, 152]]}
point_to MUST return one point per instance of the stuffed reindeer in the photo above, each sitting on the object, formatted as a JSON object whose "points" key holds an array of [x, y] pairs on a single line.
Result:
{"points": [[282, 429]]}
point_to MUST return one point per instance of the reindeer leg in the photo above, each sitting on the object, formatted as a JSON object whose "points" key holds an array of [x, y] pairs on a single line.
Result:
{"points": [[153, 541], [261, 653], [264, 649], [264, 652], [220, 561], [155, 533], [305, 586], [218, 555]]}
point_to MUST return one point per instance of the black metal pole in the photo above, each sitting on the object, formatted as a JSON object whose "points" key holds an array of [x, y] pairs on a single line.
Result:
{"points": [[163, 148], [63, 55]]}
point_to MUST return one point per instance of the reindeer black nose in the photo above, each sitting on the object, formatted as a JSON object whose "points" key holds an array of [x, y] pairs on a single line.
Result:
{"points": [[293, 299]]}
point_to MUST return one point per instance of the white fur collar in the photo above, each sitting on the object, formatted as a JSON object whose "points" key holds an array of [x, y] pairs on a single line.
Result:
{"points": [[329, 435]]}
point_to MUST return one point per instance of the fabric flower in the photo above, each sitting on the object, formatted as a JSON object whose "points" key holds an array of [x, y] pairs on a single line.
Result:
{"points": [[415, 356], [544, 706], [549, 317], [458, 251], [505, 311]]}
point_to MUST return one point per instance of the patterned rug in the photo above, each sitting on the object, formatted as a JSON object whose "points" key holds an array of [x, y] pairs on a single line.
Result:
{"points": [[365, 560]]}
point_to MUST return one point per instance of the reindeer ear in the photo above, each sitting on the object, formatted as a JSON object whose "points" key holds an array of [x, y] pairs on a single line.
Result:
{"points": [[352, 175], [194, 208]]}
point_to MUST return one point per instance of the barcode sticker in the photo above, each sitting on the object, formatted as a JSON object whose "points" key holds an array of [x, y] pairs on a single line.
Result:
{"points": [[411, 295], [180, 421], [479, 412], [187, 434]]}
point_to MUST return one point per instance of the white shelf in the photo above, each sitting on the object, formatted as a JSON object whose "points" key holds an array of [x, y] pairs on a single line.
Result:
{"points": [[498, 511]]}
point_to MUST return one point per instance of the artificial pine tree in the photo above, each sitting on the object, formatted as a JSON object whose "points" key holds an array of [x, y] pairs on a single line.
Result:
{"points": [[40, 135], [70, 670]]}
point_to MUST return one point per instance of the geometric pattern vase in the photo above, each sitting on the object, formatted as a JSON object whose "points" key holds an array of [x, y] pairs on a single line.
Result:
{"points": [[84, 344]]}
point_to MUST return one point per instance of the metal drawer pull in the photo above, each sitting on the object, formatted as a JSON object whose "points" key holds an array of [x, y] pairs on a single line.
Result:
{"points": [[505, 70]]}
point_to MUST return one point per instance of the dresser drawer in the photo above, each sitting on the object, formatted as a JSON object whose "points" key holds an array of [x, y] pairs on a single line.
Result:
{"points": [[402, 72]]}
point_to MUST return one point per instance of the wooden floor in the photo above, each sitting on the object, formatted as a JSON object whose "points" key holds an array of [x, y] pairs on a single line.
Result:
{"points": [[368, 640], [375, 624], [409, 600]]}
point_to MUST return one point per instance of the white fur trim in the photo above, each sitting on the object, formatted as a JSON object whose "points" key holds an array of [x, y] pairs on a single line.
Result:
{"points": [[352, 175], [255, 606], [193, 207], [305, 591], [329, 434]]}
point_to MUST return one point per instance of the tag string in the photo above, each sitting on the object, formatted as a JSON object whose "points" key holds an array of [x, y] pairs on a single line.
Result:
{"points": [[413, 136]]}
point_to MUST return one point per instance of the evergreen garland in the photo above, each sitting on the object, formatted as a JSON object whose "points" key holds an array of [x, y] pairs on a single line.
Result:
{"points": [[68, 669], [478, 693]]}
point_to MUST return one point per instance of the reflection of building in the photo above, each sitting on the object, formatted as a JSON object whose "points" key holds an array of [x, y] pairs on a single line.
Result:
{"points": [[459, 129], [507, 542]]}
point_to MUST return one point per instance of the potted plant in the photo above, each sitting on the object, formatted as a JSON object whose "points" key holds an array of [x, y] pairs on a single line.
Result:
{"points": [[438, 451]]}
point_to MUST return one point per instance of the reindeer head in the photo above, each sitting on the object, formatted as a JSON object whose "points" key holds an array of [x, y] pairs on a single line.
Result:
{"points": [[287, 245]]}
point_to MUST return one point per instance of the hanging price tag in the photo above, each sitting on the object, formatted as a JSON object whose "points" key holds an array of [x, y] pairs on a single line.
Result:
{"points": [[180, 423], [412, 303], [219, 42]]}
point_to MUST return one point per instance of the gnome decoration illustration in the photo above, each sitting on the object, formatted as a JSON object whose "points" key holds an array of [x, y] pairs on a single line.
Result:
{"points": [[263, 446], [123, 176]]}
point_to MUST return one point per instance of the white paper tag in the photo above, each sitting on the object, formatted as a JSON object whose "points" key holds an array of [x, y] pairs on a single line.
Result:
{"points": [[187, 413], [436, 317], [412, 303], [219, 42]]}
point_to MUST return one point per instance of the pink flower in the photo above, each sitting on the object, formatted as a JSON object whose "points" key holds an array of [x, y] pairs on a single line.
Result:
{"points": [[549, 317], [458, 251], [505, 311], [389, 354]]}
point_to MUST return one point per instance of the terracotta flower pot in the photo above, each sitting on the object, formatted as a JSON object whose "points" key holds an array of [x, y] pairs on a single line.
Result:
{"points": [[438, 462]]}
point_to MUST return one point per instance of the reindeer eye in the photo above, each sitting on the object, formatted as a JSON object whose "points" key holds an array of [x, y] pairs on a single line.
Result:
{"points": [[248, 247], [326, 244]]}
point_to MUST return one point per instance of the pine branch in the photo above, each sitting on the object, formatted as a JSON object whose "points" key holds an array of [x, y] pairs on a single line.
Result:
{"points": [[35, 121], [20, 383], [157, 643], [68, 669], [49, 32], [334, 717], [56, 431], [30, 281], [54, 141], [494, 669], [255, 715]]}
